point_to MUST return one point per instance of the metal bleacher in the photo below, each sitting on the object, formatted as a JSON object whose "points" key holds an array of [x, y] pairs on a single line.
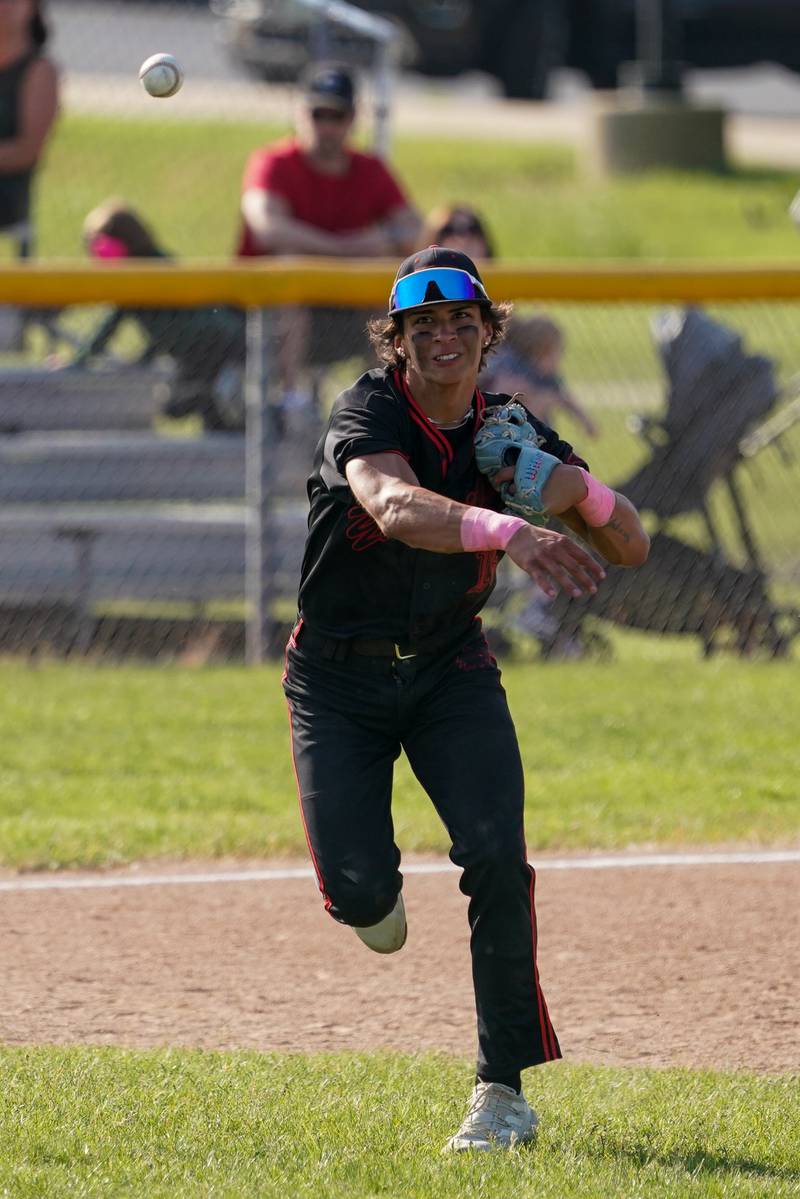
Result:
{"points": [[36, 399], [96, 506]]}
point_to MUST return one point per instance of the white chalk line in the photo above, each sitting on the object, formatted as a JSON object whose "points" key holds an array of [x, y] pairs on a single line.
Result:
{"points": [[282, 873]]}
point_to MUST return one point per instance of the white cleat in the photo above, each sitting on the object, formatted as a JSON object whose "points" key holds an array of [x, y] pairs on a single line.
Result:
{"points": [[389, 934], [498, 1118]]}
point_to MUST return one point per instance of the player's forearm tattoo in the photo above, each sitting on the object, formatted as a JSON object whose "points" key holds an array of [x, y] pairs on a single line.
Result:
{"points": [[616, 527]]}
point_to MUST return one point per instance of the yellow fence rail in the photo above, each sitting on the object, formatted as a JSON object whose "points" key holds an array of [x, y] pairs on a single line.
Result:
{"points": [[366, 284]]}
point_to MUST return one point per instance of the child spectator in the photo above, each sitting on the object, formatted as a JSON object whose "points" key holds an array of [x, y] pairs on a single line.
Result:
{"points": [[530, 362]]}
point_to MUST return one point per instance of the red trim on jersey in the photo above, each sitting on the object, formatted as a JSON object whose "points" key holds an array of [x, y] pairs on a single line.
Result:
{"points": [[426, 428], [480, 407], [292, 643], [320, 883], [431, 432], [549, 1042]]}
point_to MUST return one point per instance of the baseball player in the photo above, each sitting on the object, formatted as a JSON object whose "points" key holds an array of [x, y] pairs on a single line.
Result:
{"points": [[419, 483]]}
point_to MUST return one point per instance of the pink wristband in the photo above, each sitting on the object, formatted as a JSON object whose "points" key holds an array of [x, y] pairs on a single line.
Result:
{"points": [[597, 507], [482, 529]]}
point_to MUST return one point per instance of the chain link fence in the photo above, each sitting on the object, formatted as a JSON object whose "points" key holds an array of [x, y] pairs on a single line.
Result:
{"points": [[697, 413], [152, 469], [141, 515]]}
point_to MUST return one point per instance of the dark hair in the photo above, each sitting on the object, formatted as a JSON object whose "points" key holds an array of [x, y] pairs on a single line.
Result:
{"points": [[455, 218], [38, 29], [115, 219], [383, 330]]}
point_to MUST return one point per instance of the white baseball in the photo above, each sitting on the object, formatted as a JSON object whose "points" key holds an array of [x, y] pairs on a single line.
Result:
{"points": [[161, 75]]}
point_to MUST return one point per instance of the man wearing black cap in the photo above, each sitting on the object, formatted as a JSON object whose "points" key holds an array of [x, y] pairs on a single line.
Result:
{"points": [[314, 194], [388, 652]]}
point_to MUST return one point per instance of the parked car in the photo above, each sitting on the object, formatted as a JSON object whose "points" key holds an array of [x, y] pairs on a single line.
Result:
{"points": [[710, 34], [519, 42]]}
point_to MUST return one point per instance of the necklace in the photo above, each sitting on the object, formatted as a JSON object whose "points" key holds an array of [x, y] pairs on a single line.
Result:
{"points": [[452, 424]]}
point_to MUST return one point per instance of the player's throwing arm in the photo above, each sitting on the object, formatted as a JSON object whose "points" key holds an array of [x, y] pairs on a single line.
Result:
{"points": [[407, 512]]}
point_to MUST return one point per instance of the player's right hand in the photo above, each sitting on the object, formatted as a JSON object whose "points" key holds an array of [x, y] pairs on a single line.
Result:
{"points": [[555, 562]]}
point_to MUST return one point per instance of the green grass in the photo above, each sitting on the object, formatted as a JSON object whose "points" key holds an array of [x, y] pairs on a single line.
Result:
{"points": [[106, 1122], [109, 765], [185, 176]]}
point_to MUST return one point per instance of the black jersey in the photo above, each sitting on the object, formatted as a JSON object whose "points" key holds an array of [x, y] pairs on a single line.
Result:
{"points": [[355, 582]]}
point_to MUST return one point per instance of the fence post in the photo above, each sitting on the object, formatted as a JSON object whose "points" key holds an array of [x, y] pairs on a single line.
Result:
{"points": [[259, 441], [658, 40]]}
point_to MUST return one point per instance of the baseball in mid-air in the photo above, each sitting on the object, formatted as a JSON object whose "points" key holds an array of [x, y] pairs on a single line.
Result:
{"points": [[161, 75]]}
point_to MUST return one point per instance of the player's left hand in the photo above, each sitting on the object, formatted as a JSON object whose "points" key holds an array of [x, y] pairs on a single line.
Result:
{"points": [[564, 488], [534, 484]]}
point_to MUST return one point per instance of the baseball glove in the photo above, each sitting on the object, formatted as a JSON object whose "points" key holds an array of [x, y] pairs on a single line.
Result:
{"points": [[507, 438]]}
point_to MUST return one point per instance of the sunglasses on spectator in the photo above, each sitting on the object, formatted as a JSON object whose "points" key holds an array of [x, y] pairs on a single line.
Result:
{"points": [[334, 115], [461, 227]]}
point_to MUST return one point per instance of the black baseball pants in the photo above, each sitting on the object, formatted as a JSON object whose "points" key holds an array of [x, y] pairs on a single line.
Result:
{"points": [[349, 721]]}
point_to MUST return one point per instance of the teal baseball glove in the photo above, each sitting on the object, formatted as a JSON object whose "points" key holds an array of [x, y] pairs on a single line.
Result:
{"points": [[507, 438]]}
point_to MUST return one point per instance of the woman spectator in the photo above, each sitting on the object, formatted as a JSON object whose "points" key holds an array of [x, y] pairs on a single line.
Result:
{"points": [[28, 108], [461, 228]]}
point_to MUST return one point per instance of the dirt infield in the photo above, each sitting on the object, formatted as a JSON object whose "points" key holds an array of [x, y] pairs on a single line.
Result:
{"points": [[678, 965]]}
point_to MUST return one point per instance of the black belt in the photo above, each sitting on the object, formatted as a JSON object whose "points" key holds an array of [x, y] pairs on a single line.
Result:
{"points": [[339, 649]]}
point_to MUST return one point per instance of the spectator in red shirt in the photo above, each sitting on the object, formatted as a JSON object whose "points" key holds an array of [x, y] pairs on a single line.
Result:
{"points": [[314, 194]]}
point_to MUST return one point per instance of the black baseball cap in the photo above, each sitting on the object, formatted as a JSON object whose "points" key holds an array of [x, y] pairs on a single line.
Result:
{"points": [[332, 85], [436, 275]]}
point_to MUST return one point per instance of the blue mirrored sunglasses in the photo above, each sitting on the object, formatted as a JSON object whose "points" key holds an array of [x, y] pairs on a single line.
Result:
{"points": [[435, 285]]}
